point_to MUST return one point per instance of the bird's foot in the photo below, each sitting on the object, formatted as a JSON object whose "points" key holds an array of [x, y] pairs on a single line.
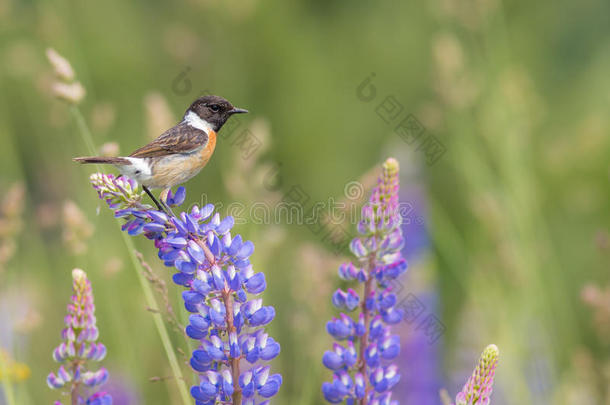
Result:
{"points": [[163, 197], [161, 206]]}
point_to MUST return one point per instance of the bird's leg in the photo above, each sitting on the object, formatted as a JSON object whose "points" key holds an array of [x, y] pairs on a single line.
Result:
{"points": [[159, 206], [163, 197]]}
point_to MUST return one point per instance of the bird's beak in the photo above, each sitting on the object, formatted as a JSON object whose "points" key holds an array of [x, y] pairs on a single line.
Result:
{"points": [[236, 110]]}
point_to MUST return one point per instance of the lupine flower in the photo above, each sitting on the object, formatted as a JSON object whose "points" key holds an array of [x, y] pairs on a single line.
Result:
{"points": [[477, 390], [220, 288], [366, 375], [78, 347]]}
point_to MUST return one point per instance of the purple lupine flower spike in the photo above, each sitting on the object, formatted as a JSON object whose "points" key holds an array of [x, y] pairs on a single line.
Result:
{"points": [[477, 390], [79, 346], [366, 376], [221, 290]]}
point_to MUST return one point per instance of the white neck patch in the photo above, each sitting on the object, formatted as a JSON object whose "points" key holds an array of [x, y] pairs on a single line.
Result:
{"points": [[195, 121]]}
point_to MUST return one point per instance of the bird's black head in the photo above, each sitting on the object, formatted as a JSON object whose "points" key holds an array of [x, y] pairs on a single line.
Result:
{"points": [[213, 110]]}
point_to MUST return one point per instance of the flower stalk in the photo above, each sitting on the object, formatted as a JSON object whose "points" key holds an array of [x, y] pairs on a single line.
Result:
{"points": [[368, 285], [79, 347], [367, 376], [220, 289], [228, 302], [477, 390], [7, 385], [72, 92], [151, 302]]}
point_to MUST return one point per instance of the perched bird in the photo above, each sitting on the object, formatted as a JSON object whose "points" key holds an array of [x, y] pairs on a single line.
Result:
{"points": [[179, 153]]}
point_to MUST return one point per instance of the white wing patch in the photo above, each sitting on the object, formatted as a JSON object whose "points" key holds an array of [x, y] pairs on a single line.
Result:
{"points": [[139, 170]]}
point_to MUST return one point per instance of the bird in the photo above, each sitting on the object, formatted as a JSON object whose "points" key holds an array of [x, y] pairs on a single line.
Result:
{"points": [[179, 153]]}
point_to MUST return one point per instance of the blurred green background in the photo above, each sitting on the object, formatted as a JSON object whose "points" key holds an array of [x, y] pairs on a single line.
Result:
{"points": [[515, 210]]}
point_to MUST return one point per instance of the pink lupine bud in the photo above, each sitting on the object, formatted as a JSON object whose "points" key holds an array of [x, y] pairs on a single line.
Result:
{"points": [[477, 390]]}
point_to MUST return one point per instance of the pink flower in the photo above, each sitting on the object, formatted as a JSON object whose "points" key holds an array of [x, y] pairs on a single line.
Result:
{"points": [[477, 390]]}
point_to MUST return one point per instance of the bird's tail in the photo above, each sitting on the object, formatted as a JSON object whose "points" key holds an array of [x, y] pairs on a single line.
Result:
{"points": [[103, 160]]}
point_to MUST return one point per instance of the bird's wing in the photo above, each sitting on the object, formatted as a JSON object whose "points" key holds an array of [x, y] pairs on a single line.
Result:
{"points": [[182, 138]]}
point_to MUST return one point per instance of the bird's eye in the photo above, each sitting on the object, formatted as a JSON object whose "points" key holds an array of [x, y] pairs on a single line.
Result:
{"points": [[215, 107]]}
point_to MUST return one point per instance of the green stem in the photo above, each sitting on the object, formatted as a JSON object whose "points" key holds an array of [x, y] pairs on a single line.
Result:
{"points": [[148, 294], [228, 301], [7, 387], [158, 319], [364, 340], [84, 129]]}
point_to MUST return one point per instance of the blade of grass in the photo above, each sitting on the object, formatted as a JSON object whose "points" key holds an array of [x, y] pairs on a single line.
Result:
{"points": [[148, 294], [7, 386]]}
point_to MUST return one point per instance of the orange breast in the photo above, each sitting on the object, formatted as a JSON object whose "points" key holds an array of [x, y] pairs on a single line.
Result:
{"points": [[206, 152], [178, 168]]}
